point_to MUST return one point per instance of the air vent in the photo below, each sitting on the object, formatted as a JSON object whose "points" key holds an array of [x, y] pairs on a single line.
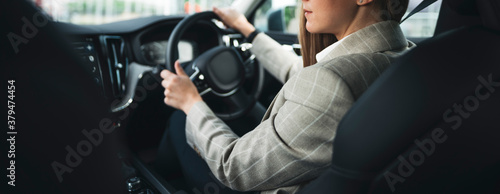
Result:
{"points": [[114, 49]]}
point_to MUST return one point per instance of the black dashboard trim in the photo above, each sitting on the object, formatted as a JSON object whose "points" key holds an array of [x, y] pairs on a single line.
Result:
{"points": [[134, 33], [121, 27]]}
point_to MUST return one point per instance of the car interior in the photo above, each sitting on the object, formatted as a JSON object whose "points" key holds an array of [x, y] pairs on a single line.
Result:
{"points": [[90, 113]]}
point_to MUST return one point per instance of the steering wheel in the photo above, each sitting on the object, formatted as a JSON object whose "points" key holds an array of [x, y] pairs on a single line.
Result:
{"points": [[219, 71]]}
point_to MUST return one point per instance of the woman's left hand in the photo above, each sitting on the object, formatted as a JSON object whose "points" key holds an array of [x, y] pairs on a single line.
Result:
{"points": [[180, 92]]}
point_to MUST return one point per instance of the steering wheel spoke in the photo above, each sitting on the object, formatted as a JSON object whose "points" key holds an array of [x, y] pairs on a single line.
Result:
{"points": [[200, 84], [220, 71]]}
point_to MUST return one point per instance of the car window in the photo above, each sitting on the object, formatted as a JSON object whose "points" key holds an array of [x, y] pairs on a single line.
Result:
{"points": [[278, 15], [106, 11], [422, 24], [282, 16]]}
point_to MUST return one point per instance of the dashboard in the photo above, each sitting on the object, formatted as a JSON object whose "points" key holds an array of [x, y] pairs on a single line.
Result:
{"points": [[117, 55], [154, 52]]}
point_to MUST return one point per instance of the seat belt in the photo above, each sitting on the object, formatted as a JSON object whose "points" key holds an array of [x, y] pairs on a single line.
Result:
{"points": [[422, 5]]}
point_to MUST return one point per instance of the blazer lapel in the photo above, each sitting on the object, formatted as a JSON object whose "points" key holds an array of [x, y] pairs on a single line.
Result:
{"points": [[379, 37]]}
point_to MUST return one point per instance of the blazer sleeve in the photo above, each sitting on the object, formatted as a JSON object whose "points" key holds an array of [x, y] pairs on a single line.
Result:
{"points": [[292, 146], [280, 62]]}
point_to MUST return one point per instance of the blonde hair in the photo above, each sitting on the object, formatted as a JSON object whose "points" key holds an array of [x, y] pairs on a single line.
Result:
{"points": [[311, 44]]}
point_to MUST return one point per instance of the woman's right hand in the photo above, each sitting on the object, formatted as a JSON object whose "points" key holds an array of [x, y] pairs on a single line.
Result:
{"points": [[235, 20]]}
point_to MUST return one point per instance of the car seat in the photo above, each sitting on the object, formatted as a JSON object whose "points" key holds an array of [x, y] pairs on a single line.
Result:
{"points": [[431, 122]]}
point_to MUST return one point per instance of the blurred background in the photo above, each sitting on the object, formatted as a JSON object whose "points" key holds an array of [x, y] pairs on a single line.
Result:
{"points": [[91, 12]]}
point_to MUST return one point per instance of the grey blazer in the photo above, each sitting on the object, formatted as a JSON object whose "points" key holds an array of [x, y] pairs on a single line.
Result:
{"points": [[293, 143]]}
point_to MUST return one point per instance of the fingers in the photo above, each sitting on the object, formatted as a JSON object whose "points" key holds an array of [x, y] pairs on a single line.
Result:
{"points": [[216, 10], [222, 13], [170, 79], [179, 69], [170, 101], [166, 92], [219, 12], [167, 78], [227, 15], [170, 95], [180, 92], [165, 74]]}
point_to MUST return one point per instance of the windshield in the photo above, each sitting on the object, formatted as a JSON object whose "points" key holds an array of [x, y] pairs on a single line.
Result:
{"points": [[106, 11]]}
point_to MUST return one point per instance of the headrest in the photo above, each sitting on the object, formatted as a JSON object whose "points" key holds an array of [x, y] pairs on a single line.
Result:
{"points": [[489, 10]]}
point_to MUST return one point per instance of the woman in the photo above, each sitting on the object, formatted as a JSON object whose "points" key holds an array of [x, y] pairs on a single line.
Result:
{"points": [[293, 143]]}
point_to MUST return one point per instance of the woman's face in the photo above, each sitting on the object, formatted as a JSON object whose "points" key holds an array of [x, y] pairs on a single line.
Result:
{"points": [[329, 16]]}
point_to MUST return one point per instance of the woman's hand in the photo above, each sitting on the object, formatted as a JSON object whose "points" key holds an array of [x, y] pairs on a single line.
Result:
{"points": [[180, 92], [235, 20]]}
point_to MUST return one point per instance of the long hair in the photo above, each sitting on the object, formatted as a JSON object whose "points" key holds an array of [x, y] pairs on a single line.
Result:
{"points": [[312, 44]]}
